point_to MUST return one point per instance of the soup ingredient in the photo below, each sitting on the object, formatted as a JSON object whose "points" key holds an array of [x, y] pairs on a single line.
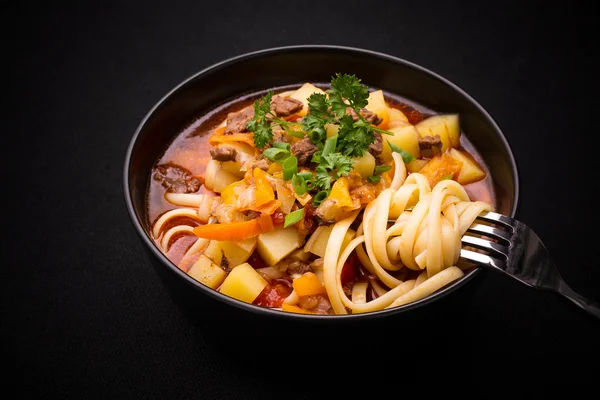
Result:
{"points": [[216, 178], [237, 121], [176, 178], [406, 138], [416, 165], [274, 246], [235, 230], [293, 217], [430, 146], [243, 283], [303, 94], [223, 153], [308, 285], [284, 106], [294, 309], [470, 171], [304, 150], [445, 126], [376, 104], [440, 167], [364, 165], [317, 243], [406, 156], [207, 272]]}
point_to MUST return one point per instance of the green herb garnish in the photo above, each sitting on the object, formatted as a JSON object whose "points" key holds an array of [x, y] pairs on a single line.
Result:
{"points": [[299, 185], [374, 178], [319, 197], [290, 167], [276, 155], [379, 169], [293, 217], [406, 156]]}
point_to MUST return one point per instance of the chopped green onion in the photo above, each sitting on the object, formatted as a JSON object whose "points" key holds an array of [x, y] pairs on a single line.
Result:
{"points": [[374, 179], [317, 135], [406, 156], [281, 145], [294, 133], [381, 168], [293, 217], [276, 154], [329, 146], [307, 176], [290, 168], [319, 197], [299, 185]]}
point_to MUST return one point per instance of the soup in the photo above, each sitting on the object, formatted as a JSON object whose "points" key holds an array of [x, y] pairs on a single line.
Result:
{"points": [[319, 199]]}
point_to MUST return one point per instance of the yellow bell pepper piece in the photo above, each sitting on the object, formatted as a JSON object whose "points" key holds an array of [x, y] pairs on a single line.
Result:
{"points": [[340, 193], [264, 190], [308, 285]]}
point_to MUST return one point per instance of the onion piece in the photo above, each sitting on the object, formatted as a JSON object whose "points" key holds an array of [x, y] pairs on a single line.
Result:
{"points": [[271, 272]]}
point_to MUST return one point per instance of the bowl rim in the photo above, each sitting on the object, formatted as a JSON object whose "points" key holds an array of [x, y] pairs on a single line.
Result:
{"points": [[277, 313]]}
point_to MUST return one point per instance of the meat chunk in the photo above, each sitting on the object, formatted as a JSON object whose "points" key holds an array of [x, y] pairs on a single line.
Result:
{"points": [[176, 178], [284, 106], [223, 153], [236, 121], [298, 267], [376, 147], [261, 163], [430, 146], [369, 116], [304, 150]]}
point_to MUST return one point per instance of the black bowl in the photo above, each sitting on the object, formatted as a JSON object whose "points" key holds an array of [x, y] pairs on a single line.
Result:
{"points": [[295, 65]]}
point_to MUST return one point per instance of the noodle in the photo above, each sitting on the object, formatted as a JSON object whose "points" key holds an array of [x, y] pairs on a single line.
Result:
{"points": [[408, 225]]}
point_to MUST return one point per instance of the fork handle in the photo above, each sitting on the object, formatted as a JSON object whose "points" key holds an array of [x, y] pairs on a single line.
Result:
{"points": [[582, 302]]}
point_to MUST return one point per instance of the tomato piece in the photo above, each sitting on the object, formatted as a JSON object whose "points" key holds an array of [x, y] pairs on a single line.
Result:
{"points": [[349, 269], [272, 296], [256, 261]]}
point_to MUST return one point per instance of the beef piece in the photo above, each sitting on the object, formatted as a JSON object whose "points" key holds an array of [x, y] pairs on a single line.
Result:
{"points": [[279, 135], [430, 146], [176, 178], [236, 121], [369, 116], [284, 106], [298, 267], [261, 163], [304, 150], [376, 147], [223, 153]]}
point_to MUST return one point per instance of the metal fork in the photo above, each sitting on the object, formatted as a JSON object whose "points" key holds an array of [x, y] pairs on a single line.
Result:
{"points": [[519, 253]]}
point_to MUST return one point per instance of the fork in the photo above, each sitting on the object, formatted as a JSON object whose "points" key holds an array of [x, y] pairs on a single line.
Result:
{"points": [[519, 253]]}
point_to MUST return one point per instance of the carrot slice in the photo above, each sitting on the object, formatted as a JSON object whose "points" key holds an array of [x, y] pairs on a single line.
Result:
{"points": [[235, 230]]}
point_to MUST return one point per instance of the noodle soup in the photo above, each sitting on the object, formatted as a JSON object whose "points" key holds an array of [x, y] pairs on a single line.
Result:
{"points": [[319, 199]]}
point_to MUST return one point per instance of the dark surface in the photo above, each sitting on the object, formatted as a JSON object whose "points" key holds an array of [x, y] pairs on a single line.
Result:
{"points": [[85, 316]]}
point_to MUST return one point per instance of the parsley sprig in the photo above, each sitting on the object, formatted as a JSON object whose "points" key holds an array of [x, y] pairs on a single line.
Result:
{"points": [[263, 121]]}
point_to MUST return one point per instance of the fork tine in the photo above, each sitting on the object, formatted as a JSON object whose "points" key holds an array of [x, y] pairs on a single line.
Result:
{"points": [[482, 244], [497, 218], [490, 231], [481, 259]]}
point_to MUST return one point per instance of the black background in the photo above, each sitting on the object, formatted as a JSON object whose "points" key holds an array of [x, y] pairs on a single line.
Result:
{"points": [[85, 316]]}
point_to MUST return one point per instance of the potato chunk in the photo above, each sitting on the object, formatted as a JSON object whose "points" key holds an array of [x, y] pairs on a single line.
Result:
{"points": [[446, 126], [470, 171], [365, 165], [376, 103], [303, 93], [276, 245], [243, 283], [405, 137], [207, 272]]}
